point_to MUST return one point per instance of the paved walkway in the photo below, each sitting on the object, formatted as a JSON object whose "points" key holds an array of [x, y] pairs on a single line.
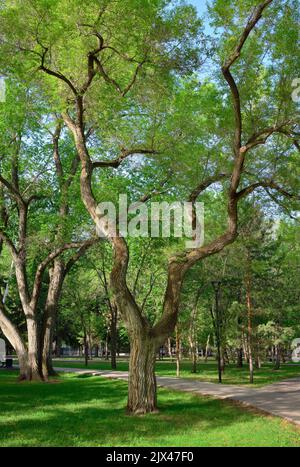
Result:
{"points": [[280, 399]]}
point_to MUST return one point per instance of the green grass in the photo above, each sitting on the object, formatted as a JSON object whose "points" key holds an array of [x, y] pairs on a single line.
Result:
{"points": [[206, 371], [89, 411]]}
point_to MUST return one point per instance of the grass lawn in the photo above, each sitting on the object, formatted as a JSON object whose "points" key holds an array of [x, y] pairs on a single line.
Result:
{"points": [[206, 371], [89, 411]]}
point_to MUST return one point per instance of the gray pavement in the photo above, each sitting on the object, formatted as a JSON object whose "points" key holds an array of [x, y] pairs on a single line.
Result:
{"points": [[280, 399]]}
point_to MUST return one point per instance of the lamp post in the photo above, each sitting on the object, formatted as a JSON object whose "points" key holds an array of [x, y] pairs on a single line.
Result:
{"points": [[217, 324]]}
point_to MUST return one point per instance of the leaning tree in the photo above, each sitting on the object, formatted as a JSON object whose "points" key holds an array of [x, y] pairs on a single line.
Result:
{"points": [[21, 230]]}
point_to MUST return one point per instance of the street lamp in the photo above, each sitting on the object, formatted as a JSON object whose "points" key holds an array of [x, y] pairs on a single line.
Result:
{"points": [[217, 324]]}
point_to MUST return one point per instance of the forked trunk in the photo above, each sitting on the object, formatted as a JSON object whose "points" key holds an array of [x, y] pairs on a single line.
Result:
{"points": [[142, 396]]}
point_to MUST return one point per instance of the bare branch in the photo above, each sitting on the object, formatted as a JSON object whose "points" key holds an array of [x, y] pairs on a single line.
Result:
{"points": [[43, 265], [135, 75], [106, 77], [255, 17], [56, 74], [267, 184], [4, 237], [85, 246], [16, 194], [262, 136], [205, 184], [56, 155], [115, 163]]}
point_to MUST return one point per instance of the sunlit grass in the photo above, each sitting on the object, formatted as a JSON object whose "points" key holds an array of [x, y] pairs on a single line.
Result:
{"points": [[76, 411]]}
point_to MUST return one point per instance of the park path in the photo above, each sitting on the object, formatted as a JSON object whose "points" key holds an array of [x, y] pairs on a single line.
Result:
{"points": [[281, 399]]}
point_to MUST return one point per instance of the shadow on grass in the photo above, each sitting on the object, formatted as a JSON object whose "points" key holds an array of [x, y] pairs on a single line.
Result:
{"points": [[89, 411]]}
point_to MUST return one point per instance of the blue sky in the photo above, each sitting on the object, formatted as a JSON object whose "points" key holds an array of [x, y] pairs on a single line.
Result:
{"points": [[200, 4], [201, 7]]}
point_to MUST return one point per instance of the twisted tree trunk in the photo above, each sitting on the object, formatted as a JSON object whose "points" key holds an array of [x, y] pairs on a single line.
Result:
{"points": [[146, 339], [141, 379]]}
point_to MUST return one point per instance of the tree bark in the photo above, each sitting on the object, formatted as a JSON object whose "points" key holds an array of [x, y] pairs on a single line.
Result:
{"points": [[33, 349], [12, 335], [56, 276], [141, 379]]}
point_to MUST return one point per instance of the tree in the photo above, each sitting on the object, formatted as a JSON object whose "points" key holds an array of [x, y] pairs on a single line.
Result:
{"points": [[112, 70], [35, 354]]}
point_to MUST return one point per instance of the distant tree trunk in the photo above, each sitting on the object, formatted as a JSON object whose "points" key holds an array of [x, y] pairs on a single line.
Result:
{"points": [[58, 346], [85, 349], [113, 335], [257, 362], [170, 349], [222, 361], [239, 352], [225, 357], [277, 357], [249, 315], [194, 357], [245, 348], [106, 345], [90, 345], [193, 351], [192, 332], [178, 351], [207, 348]]}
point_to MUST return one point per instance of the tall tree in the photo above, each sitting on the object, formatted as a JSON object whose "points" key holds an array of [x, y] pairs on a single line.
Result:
{"points": [[119, 65]]}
